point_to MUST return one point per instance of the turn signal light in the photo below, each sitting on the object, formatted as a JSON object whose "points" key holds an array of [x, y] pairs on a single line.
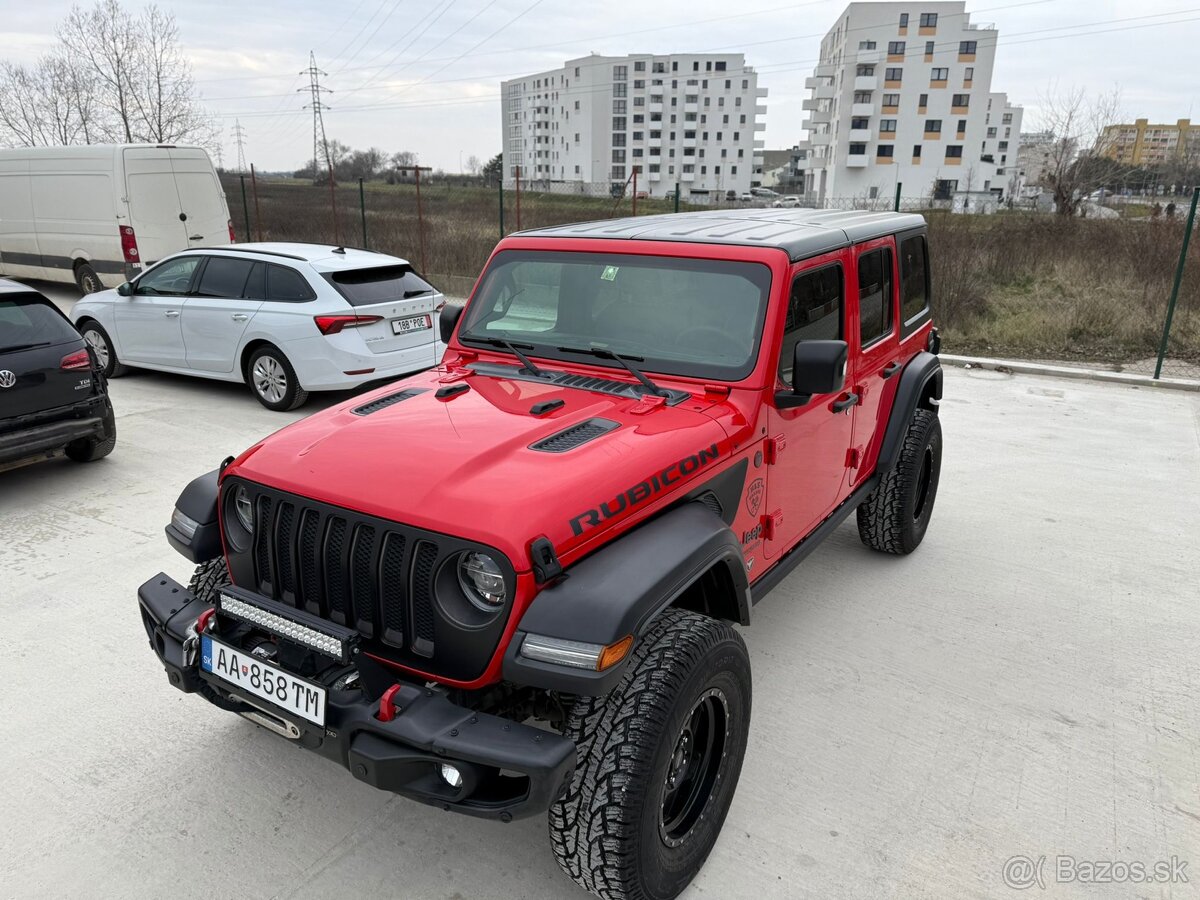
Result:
{"points": [[614, 653], [77, 360], [334, 324]]}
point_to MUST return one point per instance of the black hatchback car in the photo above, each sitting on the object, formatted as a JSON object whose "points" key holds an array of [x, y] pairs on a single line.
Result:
{"points": [[52, 394]]}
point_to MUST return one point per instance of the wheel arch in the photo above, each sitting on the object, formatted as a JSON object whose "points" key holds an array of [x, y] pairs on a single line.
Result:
{"points": [[920, 387], [248, 351]]}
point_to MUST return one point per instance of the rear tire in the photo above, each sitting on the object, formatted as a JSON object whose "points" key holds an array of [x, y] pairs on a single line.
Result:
{"points": [[895, 515], [659, 759], [92, 449], [87, 280], [273, 381], [106, 355]]}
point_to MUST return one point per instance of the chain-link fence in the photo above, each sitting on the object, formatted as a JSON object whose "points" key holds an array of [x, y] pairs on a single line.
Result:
{"points": [[1009, 282]]}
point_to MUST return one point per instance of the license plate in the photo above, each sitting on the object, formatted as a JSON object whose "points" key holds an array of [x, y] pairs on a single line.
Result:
{"points": [[255, 676], [413, 323]]}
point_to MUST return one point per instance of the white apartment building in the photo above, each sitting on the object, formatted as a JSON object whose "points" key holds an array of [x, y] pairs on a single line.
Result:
{"points": [[903, 95], [691, 119]]}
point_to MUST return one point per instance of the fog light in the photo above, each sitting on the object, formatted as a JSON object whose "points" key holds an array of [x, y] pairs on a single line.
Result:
{"points": [[451, 776]]}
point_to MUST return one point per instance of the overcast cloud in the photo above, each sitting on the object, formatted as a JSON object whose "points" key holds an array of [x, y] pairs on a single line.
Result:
{"points": [[431, 68]]}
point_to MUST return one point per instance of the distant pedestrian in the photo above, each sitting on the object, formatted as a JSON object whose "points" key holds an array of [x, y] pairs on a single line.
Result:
{"points": [[1171, 210], [1156, 210]]}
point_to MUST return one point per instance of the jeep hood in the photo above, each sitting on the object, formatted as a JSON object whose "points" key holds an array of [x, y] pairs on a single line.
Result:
{"points": [[465, 465]]}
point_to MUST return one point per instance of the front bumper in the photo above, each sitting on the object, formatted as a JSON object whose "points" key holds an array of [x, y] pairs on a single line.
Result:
{"points": [[509, 769], [43, 432]]}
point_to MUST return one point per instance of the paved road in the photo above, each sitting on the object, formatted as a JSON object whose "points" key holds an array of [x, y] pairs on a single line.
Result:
{"points": [[1026, 683]]}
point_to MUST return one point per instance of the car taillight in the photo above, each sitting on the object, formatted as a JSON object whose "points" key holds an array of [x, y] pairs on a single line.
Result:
{"points": [[334, 324], [129, 244], [77, 360], [232, 235]]}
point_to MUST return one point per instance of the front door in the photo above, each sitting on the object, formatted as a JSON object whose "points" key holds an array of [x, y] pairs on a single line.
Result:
{"points": [[148, 326], [807, 445], [874, 350]]}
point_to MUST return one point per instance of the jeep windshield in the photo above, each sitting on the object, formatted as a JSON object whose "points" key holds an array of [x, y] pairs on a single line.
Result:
{"points": [[700, 318]]}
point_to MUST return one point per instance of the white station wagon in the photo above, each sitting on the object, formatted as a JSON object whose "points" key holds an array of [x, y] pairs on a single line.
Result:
{"points": [[284, 318]]}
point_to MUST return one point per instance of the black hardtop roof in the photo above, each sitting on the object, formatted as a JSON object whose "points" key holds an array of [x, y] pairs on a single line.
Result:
{"points": [[799, 232]]}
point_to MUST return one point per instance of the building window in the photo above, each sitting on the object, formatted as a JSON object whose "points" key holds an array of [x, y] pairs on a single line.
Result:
{"points": [[864, 71], [1006, 119], [620, 73], [866, 45], [954, 151], [861, 122], [895, 48], [658, 68], [929, 48], [720, 67], [857, 149], [885, 151], [961, 100], [639, 119], [916, 151], [929, 20], [962, 125], [639, 101], [933, 126], [887, 124], [639, 84], [619, 107], [618, 156], [923, 100], [733, 170], [991, 132], [893, 74], [939, 74], [618, 140], [620, 89], [862, 96], [967, 47], [1003, 145], [903, 20], [969, 73], [637, 151], [639, 66], [618, 123], [891, 99]]}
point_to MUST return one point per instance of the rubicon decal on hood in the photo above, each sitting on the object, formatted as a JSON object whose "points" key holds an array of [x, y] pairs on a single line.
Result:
{"points": [[643, 490]]}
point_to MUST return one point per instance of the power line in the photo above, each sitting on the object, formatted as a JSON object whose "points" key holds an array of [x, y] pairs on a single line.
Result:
{"points": [[315, 90]]}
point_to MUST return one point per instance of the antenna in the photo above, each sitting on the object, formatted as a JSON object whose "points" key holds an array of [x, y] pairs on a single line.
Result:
{"points": [[320, 143]]}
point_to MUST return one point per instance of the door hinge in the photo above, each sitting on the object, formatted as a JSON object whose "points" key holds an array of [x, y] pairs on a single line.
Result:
{"points": [[771, 525], [851, 458], [774, 448]]}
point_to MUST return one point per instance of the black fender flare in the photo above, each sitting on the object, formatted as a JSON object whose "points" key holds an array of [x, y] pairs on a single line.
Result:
{"points": [[199, 503], [920, 387], [620, 589]]}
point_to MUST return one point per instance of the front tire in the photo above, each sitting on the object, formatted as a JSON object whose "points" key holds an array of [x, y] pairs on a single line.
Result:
{"points": [[102, 345], [273, 380], [206, 583], [659, 759], [895, 516]]}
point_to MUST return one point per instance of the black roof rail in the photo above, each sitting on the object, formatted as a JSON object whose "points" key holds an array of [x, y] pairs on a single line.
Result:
{"points": [[240, 249]]}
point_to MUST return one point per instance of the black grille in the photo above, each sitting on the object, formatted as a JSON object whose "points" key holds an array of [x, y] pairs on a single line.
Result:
{"points": [[570, 438], [384, 402], [376, 576]]}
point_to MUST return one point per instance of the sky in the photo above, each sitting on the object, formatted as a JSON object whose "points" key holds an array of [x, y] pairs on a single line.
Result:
{"points": [[424, 75]]}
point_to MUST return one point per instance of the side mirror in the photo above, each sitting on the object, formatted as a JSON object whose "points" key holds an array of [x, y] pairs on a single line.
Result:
{"points": [[125, 289], [447, 319], [818, 367]]}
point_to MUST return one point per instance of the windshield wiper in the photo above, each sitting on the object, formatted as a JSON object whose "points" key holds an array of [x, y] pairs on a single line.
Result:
{"points": [[512, 348], [16, 347], [603, 353]]}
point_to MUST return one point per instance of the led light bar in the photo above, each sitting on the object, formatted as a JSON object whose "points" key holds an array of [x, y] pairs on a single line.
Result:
{"points": [[331, 645]]}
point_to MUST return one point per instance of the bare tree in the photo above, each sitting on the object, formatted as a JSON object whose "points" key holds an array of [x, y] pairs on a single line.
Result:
{"points": [[48, 104], [1083, 156], [474, 166]]}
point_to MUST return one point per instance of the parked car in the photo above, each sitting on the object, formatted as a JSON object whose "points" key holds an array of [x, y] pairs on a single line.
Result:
{"points": [[99, 215], [787, 202], [746, 197], [564, 521], [52, 393], [765, 193], [286, 319], [731, 195]]}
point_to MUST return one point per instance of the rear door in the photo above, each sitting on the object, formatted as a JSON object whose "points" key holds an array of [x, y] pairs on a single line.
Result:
{"points": [[403, 300], [874, 348], [34, 339], [201, 199], [148, 321], [227, 295], [154, 208]]}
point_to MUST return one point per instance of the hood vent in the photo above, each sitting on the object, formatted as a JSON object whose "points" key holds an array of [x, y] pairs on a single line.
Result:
{"points": [[384, 402], [575, 436]]}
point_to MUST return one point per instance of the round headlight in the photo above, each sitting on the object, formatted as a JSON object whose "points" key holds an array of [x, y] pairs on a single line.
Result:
{"points": [[482, 581], [244, 508]]}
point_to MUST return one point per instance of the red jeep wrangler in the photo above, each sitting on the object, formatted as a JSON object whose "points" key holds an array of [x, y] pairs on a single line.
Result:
{"points": [[508, 585]]}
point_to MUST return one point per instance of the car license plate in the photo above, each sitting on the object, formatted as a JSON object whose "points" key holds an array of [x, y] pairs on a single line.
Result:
{"points": [[260, 678], [412, 323]]}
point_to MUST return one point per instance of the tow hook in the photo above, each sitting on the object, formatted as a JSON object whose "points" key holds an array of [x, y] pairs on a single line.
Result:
{"points": [[191, 639]]}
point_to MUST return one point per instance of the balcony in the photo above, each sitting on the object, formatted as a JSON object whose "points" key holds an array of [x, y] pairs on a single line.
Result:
{"points": [[820, 138], [760, 126], [866, 82], [859, 134], [823, 91], [856, 161], [759, 145], [691, 107], [654, 176], [654, 107], [869, 56], [862, 109], [760, 110], [687, 176]]}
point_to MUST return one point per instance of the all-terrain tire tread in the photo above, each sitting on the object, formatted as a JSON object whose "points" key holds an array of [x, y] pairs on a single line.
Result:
{"points": [[881, 517]]}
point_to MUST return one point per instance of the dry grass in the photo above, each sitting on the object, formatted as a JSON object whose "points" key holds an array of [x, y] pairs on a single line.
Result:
{"points": [[1013, 284]]}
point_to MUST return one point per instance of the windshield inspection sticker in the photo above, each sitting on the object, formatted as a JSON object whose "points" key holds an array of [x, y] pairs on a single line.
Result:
{"points": [[609, 273]]}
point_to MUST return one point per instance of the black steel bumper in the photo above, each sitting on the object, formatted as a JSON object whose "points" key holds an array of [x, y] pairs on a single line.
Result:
{"points": [[37, 433], [508, 769]]}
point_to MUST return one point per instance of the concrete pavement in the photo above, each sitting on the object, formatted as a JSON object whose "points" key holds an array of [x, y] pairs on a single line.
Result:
{"points": [[1026, 683]]}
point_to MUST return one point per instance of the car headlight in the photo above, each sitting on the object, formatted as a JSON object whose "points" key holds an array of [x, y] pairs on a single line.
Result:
{"points": [[244, 508], [482, 581]]}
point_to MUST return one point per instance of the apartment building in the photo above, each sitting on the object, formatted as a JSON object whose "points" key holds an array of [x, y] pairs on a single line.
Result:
{"points": [[691, 119], [903, 95], [1143, 144], [1040, 152]]}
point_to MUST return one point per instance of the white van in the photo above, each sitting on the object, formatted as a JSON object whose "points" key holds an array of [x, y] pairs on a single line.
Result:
{"points": [[98, 215]]}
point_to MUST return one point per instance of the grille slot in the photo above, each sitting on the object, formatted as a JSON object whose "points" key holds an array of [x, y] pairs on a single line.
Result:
{"points": [[363, 580], [384, 402], [392, 589], [422, 596], [337, 586], [262, 546], [306, 550], [575, 436], [284, 552]]}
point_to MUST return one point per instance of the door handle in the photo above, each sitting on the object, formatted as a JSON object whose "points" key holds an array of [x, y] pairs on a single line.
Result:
{"points": [[172, 314], [844, 404], [891, 370], [239, 317], [195, 237]]}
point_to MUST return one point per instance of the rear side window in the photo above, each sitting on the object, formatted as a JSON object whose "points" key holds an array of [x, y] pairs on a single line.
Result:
{"points": [[914, 279], [874, 295], [224, 277], [287, 285], [814, 313], [31, 321], [381, 284]]}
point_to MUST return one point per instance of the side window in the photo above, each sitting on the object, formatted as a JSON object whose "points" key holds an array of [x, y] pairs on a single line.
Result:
{"points": [[224, 277], [814, 313], [171, 279], [874, 295], [914, 278], [256, 284], [287, 285]]}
